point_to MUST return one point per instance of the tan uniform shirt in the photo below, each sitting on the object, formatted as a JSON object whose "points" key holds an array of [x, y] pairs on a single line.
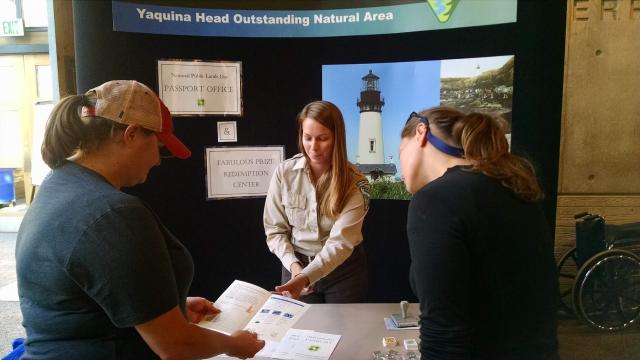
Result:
{"points": [[292, 222]]}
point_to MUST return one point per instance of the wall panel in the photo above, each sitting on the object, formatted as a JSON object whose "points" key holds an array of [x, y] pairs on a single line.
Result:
{"points": [[226, 237], [601, 124]]}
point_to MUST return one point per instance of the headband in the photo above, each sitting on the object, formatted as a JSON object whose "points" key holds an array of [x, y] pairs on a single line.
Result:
{"points": [[444, 147], [436, 141]]}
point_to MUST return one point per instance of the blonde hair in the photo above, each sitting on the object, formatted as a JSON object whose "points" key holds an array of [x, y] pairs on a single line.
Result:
{"points": [[483, 139], [333, 187], [67, 133]]}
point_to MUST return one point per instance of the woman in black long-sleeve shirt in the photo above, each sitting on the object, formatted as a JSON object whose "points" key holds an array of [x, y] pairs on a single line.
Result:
{"points": [[481, 252]]}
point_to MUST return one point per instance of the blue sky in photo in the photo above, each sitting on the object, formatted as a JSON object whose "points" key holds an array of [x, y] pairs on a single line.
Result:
{"points": [[470, 67], [404, 86]]}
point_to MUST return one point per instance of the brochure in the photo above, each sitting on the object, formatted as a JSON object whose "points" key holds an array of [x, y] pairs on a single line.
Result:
{"points": [[306, 344], [250, 307]]}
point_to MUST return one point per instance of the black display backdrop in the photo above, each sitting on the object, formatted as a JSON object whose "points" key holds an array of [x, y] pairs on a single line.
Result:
{"points": [[226, 237]]}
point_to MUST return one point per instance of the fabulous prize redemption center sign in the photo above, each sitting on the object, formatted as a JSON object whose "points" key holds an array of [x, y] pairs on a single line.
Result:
{"points": [[234, 172], [419, 16], [200, 87]]}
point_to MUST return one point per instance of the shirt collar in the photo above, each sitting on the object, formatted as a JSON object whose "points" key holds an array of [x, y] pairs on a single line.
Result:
{"points": [[301, 163]]}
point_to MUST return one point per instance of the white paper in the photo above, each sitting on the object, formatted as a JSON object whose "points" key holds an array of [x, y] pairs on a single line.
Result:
{"points": [[268, 350], [201, 87], [227, 131], [250, 307], [306, 344], [238, 304], [276, 316], [241, 171]]}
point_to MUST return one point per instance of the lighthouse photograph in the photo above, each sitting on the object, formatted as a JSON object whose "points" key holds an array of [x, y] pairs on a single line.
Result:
{"points": [[377, 98]]}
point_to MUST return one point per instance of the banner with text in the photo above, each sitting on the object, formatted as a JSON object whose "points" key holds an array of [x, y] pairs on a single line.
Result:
{"points": [[234, 172], [419, 16]]}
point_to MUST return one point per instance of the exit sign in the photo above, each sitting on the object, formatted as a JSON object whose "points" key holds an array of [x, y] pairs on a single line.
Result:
{"points": [[12, 27]]}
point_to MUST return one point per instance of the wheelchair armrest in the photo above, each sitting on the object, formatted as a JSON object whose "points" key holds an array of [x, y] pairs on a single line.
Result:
{"points": [[629, 244], [615, 232]]}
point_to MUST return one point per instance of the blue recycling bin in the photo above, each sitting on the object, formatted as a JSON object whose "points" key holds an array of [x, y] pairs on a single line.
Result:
{"points": [[7, 191]]}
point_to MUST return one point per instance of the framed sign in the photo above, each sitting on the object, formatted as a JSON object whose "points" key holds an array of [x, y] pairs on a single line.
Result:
{"points": [[236, 172], [199, 87], [227, 131]]}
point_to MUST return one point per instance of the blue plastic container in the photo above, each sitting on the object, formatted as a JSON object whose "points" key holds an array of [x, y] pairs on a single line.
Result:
{"points": [[7, 191]]}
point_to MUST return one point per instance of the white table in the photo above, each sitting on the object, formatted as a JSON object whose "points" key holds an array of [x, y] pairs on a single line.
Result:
{"points": [[361, 326]]}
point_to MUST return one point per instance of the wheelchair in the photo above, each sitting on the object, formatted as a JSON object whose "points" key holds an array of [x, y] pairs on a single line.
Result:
{"points": [[599, 278]]}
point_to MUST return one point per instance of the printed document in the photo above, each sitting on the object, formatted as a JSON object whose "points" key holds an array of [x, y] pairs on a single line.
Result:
{"points": [[306, 344], [250, 307]]}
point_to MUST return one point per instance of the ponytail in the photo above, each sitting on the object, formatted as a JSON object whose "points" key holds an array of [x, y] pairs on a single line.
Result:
{"points": [[67, 133], [484, 142], [483, 139], [61, 136]]}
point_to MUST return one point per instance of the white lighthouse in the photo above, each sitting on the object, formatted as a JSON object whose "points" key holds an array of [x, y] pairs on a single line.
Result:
{"points": [[370, 143]]}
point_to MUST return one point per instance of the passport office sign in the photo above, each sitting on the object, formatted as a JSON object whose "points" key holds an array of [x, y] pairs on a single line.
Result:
{"points": [[196, 87], [418, 16]]}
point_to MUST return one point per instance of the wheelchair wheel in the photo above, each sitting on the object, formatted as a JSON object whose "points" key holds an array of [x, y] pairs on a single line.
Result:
{"points": [[567, 271], [607, 290]]}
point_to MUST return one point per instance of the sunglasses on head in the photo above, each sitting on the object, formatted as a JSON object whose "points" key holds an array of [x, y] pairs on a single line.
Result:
{"points": [[423, 119]]}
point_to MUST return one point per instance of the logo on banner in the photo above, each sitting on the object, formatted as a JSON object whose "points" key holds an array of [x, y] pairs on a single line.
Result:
{"points": [[443, 8]]}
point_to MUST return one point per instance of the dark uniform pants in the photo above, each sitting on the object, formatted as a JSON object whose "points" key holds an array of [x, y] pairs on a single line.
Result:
{"points": [[348, 283]]}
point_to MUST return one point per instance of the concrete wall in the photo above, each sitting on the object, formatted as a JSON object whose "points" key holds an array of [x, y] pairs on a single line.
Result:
{"points": [[600, 141]]}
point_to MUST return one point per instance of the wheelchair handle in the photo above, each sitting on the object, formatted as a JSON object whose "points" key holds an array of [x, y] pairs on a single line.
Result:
{"points": [[580, 214]]}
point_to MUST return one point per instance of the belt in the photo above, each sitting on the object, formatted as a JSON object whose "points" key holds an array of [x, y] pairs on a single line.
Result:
{"points": [[304, 259]]}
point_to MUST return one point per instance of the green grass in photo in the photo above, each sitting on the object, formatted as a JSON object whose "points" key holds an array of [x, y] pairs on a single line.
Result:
{"points": [[389, 189]]}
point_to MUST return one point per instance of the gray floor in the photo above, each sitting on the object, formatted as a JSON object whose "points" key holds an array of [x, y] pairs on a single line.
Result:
{"points": [[577, 341], [10, 316]]}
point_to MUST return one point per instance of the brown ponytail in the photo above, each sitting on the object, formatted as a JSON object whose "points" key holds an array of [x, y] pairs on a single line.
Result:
{"points": [[483, 139], [67, 133]]}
